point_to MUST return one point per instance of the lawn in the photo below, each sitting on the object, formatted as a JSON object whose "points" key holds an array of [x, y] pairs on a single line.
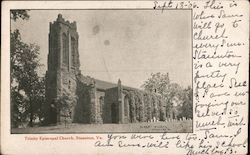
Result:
{"points": [[169, 127]]}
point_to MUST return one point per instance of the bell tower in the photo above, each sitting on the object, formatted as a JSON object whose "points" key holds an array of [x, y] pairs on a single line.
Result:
{"points": [[63, 69]]}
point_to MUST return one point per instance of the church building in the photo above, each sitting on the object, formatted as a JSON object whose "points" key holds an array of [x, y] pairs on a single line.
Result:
{"points": [[83, 99]]}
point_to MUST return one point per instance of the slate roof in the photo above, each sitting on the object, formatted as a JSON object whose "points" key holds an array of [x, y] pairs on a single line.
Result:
{"points": [[107, 85], [104, 84]]}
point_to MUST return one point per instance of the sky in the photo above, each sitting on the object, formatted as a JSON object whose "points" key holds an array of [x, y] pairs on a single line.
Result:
{"points": [[121, 44]]}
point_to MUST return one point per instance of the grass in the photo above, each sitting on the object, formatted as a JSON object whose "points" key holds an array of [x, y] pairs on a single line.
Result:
{"points": [[169, 127]]}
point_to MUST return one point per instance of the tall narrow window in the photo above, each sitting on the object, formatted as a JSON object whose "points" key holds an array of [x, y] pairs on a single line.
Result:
{"points": [[73, 51], [101, 102], [65, 49], [69, 86], [126, 105]]}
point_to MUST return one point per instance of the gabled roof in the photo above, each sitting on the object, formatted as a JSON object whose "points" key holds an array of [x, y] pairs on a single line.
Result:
{"points": [[104, 84]]}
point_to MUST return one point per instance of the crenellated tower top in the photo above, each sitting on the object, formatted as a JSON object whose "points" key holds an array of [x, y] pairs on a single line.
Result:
{"points": [[60, 19]]}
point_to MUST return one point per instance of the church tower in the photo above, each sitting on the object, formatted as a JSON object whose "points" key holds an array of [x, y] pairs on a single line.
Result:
{"points": [[63, 69]]}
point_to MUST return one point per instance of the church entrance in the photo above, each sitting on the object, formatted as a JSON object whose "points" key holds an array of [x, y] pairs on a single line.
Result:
{"points": [[113, 113], [53, 113]]}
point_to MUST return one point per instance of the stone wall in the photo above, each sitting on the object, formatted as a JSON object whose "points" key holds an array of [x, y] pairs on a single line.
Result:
{"points": [[82, 109], [111, 106], [95, 115], [88, 108], [100, 103]]}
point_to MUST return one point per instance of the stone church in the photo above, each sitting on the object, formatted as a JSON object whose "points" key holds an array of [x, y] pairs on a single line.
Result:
{"points": [[94, 101]]}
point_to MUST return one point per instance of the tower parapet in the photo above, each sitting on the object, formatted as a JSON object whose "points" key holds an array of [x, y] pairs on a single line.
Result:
{"points": [[60, 19]]}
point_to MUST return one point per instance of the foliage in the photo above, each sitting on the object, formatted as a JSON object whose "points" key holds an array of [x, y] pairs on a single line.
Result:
{"points": [[27, 88], [17, 14], [157, 83], [148, 107], [133, 107], [66, 102], [186, 109], [18, 108], [145, 106], [172, 94]]}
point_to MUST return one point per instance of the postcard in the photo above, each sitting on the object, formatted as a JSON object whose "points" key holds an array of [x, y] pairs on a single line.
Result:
{"points": [[127, 77]]}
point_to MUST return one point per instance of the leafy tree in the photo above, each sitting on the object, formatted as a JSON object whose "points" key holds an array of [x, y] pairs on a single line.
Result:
{"points": [[17, 14], [186, 109], [160, 83], [157, 83], [172, 93], [27, 88], [39, 100], [18, 107]]}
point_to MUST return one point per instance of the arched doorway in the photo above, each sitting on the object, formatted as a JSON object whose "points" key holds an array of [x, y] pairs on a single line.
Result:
{"points": [[53, 112], [113, 113]]}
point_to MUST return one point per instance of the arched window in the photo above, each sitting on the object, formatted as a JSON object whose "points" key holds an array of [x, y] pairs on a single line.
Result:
{"points": [[101, 102], [65, 49], [73, 51], [126, 106], [113, 113], [69, 86]]}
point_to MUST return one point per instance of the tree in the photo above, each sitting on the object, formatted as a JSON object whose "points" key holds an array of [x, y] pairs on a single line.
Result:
{"points": [[17, 14], [172, 93], [186, 109], [27, 88], [160, 84], [39, 100], [18, 107]]}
